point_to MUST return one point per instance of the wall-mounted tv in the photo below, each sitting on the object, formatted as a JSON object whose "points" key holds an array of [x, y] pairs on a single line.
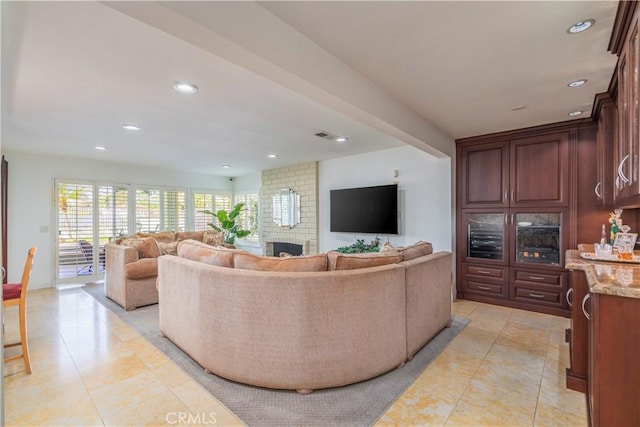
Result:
{"points": [[365, 210]]}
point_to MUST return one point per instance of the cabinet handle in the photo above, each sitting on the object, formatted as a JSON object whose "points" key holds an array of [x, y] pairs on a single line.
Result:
{"points": [[598, 193], [584, 310], [506, 196], [512, 195], [568, 297], [618, 186], [484, 272], [536, 295], [621, 172], [536, 278], [484, 288]]}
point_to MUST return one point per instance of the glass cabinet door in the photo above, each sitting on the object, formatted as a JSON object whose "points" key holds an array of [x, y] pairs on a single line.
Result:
{"points": [[537, 238], [485, 237]]}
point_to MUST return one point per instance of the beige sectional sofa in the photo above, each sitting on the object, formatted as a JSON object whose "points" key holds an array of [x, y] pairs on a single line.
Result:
{"points": [[303, 323], [131, 265]]}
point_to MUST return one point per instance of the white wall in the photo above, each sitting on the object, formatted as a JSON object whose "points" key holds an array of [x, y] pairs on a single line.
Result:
{"points": [[31, 201], [245, 183], [424, 184]]}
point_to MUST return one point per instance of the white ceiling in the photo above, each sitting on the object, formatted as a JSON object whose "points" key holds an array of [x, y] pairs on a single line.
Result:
{"points": [[271, 74]]}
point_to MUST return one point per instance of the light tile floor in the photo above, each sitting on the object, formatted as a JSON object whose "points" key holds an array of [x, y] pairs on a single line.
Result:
{"points": [[90, 368]]}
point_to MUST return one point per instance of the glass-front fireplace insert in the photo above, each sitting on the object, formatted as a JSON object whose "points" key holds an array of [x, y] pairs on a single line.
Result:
{"points": [[538, 238]]}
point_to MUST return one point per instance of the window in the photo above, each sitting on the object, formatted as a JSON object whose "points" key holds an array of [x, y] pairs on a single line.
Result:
{"points": [[113, 212], [211, 202], [160, 210], [148, 210], [175, 218], [249, 218]]}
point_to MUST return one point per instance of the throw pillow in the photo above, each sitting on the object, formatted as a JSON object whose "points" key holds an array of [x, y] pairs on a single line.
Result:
{"points": [[212, 238], [147, 247], [387, 247], [168, 248], [266, 263], [189, 235], [340, 261], [416, 250], [161, 237]]}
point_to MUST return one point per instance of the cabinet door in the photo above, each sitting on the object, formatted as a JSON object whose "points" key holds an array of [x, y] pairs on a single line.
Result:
{"points": [[604, 147], [484, 175], [540, 171], [628, 169], [622, 152]]}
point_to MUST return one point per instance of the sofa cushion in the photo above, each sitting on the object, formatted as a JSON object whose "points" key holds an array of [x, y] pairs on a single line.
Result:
{"points": [[189, 235], [198, 251], [248, 261], [340, 261], [161, 237], [147, 247], [212, 238], [141, 269], [170, 248], [416, 250]]}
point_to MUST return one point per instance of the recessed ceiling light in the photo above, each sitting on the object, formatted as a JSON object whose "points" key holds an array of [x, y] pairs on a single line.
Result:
{"points": [[578, 27], [272, 156], [575, 113], [577, 83], [184, 87], [341, 139], [98, 147], [226, 166], [130, 127]]}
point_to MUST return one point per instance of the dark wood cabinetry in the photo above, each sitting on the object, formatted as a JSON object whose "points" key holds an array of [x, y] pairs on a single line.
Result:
{"points": [[614, 361], [485, 175], [540, 170], [577, 335], [521, 196], [605, 353]]}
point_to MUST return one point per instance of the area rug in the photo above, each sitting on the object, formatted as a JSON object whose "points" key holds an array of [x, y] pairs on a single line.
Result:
{"points": [[358, 404]]}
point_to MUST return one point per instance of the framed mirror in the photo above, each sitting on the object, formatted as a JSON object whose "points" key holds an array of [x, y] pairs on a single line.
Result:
{"points": [[286, 208]]}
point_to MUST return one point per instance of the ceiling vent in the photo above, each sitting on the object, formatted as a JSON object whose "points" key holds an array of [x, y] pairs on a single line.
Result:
{"points": [[326, 135]]}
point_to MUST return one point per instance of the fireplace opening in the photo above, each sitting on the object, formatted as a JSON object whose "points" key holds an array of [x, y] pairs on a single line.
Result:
{"points": [[290, 248]]}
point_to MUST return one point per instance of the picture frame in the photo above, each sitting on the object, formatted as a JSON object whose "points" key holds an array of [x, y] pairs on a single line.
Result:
{"points": [[624, 239]]}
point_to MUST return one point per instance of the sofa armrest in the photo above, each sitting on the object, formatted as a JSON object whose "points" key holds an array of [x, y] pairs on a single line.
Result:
{"points": [[428, 281], [115, 280]]}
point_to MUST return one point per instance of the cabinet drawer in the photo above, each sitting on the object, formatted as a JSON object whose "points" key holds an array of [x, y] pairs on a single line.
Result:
{"points": [[495, 272], [551, 298], [483, 287], [544, 278]]}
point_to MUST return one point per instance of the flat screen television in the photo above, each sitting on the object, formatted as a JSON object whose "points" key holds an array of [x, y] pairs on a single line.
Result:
{"points": [[365, 210]]}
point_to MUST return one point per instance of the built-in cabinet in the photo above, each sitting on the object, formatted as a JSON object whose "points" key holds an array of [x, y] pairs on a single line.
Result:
{"points": [[605, 353], [517, 214], [618, 116]]}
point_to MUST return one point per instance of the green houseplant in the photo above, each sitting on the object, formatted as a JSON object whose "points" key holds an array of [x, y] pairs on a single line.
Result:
{"points": [[228, 227]]}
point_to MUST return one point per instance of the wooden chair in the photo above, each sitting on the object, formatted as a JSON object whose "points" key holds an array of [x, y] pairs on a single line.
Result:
{"points": [[15, 294]]}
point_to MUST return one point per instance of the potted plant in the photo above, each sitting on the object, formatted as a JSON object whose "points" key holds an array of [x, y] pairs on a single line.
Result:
{"points": [[228, 227]]}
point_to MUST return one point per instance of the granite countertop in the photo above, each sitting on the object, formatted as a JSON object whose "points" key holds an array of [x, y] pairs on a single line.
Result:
{"points": [[611, 278]]}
